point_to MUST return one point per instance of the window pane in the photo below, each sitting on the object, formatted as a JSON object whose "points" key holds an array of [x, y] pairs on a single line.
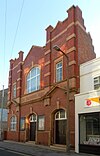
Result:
{"points": [[28, 86], [59, 71], [33, 118], [62, 114], [97, 82], [90, 129], [97, 86], [57, 115], [33, 82], [13, 123], [38, 71], [33, 72], [22, 123]]}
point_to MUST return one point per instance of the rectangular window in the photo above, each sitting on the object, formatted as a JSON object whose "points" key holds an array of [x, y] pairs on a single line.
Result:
{"points": [[59, 71], [97, 82], [13, 123], [22, 123], [41, 120], [4, 115], [90, 129], [14, 91]]}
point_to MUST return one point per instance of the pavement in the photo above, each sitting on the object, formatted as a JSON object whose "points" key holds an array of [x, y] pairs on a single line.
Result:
{"points": [[36, 150]]}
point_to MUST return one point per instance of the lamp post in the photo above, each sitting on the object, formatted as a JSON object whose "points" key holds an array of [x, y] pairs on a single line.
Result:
{"points": [[67, 100]]}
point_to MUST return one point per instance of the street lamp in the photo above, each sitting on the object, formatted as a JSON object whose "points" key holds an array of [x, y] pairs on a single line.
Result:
{"points": [[67, 100]]}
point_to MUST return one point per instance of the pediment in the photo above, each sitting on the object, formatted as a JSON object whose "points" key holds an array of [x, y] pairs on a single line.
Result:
{"points": [[54, 88], [34, 49]]}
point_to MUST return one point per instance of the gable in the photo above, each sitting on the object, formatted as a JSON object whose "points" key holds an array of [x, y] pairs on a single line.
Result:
{"points": [[54, 90]]}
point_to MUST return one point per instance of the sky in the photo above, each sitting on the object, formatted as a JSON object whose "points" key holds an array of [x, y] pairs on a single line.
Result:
{"points": [[23, 24]]}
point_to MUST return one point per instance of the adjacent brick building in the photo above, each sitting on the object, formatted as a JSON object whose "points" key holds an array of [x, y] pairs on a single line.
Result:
{"points": [[38, 86]]}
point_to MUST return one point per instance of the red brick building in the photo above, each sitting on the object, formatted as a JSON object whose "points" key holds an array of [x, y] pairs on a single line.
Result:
{"points": [[38, 85]]}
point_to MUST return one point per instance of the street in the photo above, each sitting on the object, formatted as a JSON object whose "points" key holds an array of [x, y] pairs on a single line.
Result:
{"points": [[11, 148], [4, 152]]}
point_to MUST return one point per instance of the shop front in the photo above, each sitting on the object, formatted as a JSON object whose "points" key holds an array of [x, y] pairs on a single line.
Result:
{"points": [[87, 123], [89, 133]]}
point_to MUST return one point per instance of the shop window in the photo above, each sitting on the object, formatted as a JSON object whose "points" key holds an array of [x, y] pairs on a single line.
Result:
{"points": [[59, 71], [33, 80], [97, 82], [13, 123], [90, 129]]}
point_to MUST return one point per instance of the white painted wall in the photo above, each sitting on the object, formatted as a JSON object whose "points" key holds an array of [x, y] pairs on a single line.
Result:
{"points": [[88, 71]]}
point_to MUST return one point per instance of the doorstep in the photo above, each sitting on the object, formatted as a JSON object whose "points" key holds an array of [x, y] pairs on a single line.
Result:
{"points": [[30, 142], [58, 147]]}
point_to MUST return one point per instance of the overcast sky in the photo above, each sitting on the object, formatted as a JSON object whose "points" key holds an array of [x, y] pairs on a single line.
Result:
{"points": [[23, 24]]}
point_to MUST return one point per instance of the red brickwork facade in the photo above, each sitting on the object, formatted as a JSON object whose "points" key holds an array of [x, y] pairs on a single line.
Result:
{"points": [[71, 36]]}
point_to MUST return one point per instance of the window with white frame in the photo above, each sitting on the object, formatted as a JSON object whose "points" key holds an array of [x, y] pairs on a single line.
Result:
{"points": [[14, 91], [59, 71], [61, 114], [13, 123], [33, 80], [33, 118], [97, 82]]}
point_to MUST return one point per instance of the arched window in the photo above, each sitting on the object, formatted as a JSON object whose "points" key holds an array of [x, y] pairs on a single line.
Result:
{"points": [[60, 115], [33, 118], [33, 80], [13, 123]]}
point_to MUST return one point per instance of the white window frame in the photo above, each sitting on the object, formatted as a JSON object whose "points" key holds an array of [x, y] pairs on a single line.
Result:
{"points": [[97, 84], [13, 123], [33, 118], [33, 82], [59, 115], [59, 71]]}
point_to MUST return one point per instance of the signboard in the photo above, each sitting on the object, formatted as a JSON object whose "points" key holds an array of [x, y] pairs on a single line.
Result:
{"points": [[91, 102]]}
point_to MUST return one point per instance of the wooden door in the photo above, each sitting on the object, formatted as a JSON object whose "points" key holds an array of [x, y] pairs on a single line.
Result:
{"points": [[60, 132], [32, 131]]}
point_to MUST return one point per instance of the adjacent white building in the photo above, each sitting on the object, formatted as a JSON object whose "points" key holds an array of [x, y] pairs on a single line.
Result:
{"points": [[87, 109]]}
